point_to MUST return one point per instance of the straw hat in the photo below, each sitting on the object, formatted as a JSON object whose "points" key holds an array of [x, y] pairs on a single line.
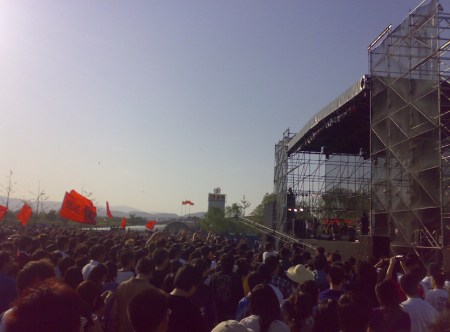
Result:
{"points": [[299, 274], [231, 326]]}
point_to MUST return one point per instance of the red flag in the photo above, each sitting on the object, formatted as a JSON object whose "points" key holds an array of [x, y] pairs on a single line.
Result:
{"points": [[183, 202], [189, 203], [78, 208], [150, 224], [24, 214], [123, 224], [3, 210], [108, 211]]}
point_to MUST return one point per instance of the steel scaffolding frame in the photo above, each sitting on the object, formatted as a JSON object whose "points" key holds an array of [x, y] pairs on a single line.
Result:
{"points": [[410, 130]]}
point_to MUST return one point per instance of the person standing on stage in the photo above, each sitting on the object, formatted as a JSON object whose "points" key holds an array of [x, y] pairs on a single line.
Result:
{"points": [[364, 224]]}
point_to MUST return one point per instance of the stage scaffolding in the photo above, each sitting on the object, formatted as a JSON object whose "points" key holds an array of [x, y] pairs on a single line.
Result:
{"points": [[384, 145], [410, 130]]}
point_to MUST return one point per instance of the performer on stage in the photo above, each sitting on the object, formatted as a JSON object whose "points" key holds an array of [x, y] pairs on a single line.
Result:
{"points": [[364, 224]]}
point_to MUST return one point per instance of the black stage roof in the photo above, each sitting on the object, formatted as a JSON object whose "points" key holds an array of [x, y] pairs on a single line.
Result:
{"points": [[342, 127]]}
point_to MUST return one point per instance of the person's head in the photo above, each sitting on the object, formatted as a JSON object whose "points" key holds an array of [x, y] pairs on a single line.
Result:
{"points": [[49, 307], [298, 308], [144, 320], [387, 294], [438, 280], [33, 274], [126, 259], [73, 277], [160, 257], [202, 264], [319, 262], [145, 267], [264, 303], [272, 264], [89, 292], [410, 284], [354, 311], [98, 274], [227, 262], [254, 278], [187, 279], [112, 271], [97, 253], [62, 243], [310, 288], [24, 243], [5, 261], [336, 275], [65, 263]]}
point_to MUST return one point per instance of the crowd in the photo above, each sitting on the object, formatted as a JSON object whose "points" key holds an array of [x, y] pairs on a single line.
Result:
{"points": [[68, 279]]}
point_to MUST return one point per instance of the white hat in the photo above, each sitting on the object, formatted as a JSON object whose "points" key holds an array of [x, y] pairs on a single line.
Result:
{"points": [[231, 326], [299, 274]]}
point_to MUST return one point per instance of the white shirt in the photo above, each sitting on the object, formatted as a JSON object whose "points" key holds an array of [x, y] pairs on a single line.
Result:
{"points": [[437, 298], [124, 276], [422, 314], [252, 322], [88, 268]]}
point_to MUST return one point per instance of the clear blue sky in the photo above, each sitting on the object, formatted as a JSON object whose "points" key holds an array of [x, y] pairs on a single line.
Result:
{"points": [[148, 103]]}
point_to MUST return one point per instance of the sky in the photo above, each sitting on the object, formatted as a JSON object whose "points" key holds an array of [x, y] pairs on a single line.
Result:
{"points": [[149, 103]]}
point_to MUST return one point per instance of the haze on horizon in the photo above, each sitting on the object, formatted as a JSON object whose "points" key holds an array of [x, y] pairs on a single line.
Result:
{"points": [[150, 103]]}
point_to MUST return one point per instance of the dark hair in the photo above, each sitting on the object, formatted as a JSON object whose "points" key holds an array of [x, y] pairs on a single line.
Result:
{"points": [[61, 242], [264, 303], [96, 252], [159, 256], [65, 263], [4, 258], [141, 318], [254, 278], [439, 279], [112, 270], [298, 307], [387, 294], [409, 283], [89, 292], [98, 274], [126, 257], [187, 276], [336, 274], [310, 288], [145, 266], [227, 262], [73, 277], [320, 262], [354, 311], [32, 273], [49, 307]]}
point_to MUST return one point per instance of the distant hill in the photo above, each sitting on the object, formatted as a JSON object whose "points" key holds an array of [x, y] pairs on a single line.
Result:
{"points": [[117, 210]]}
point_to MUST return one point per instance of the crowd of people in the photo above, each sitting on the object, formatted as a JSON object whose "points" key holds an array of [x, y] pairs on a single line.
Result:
{"points": [[69, 279]]}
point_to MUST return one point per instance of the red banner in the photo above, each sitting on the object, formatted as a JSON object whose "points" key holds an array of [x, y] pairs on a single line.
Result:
{"points": [[187, 203], [150, 224], [78, 208], [24, 214], [3, 210], [123, 224], [108, 211]]}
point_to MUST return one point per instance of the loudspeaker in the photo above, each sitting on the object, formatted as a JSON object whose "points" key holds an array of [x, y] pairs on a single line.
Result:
{"points": [[381, 246]]}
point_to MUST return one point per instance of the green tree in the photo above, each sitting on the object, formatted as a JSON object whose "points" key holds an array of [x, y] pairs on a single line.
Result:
{"points": [[258, 212], [235, 210]]}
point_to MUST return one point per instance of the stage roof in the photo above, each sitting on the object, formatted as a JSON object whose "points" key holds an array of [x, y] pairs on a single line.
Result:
{"points": [[342, 127]]}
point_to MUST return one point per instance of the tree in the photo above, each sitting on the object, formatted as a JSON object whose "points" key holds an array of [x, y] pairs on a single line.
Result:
{"points": [[235, 210], [8, 190], [40, 197], [244, 205], [258, 212]]}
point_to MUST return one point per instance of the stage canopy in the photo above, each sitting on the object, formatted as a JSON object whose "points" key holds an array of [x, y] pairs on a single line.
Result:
{"points": [[342, 127]]}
